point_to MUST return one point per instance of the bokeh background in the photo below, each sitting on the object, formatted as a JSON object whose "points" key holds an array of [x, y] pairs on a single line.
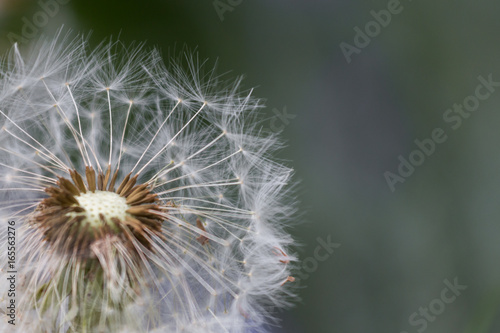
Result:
{"points": [[346, 124]]}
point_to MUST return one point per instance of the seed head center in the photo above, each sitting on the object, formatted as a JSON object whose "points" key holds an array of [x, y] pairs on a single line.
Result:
{"points": [[108, 204], [76, 215]]}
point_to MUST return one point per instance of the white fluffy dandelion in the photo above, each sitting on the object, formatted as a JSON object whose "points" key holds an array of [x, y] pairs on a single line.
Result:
{"points": [[145, 197]]}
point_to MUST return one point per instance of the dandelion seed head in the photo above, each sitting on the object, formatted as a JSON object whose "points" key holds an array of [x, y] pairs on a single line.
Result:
{"points": [[145, 194]]}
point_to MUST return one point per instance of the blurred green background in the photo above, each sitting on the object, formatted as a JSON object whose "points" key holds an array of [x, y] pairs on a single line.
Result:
{"points": [[346, 124]]}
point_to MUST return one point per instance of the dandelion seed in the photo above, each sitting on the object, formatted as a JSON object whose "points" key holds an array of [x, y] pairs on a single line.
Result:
{"points": [[145, 196]]}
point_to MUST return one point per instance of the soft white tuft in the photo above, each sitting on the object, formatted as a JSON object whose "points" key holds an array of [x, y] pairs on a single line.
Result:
{"points": [[222, 263]]}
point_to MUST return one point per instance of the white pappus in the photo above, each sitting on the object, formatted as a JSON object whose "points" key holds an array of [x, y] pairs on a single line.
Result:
{"points": [[145, 195]]}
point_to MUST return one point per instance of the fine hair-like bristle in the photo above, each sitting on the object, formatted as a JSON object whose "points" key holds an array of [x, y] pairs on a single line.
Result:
{"points": [[202, 245]]}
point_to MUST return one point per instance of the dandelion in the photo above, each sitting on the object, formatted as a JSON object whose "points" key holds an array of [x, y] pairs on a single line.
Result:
{"points": [[145, 195]]}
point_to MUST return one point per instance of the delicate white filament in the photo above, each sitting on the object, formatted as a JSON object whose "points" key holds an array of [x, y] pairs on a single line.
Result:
{"points": [[181, 232]]}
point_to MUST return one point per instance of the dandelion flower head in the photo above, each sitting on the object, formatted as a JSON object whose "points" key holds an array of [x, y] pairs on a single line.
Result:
{"points": [[145, 195]]}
